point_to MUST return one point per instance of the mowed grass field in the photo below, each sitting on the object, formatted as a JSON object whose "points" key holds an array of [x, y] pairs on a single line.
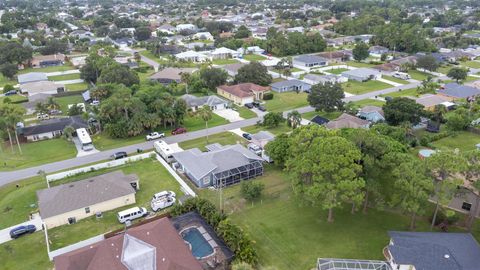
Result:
{"points": [[35, 153], [357, 88], [286, 101]]}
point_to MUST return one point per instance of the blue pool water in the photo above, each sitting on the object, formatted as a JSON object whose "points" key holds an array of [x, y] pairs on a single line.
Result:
{"points": [[200, 247]]}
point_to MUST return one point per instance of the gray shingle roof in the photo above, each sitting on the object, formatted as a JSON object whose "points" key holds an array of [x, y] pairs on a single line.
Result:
{"points": [[199, 164], [288, 83], [55, 125], [459, 91], [361, 72], [429, 250], [84, 193], [32, 77], [310, 59], [193, 101]]}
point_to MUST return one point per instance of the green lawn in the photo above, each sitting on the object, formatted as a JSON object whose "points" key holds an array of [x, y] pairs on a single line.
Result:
{"points": [[471, 64], [191, 123], [369, 102], [36, 153], [224, 61], [286, 101], [64, 101], [150, 55], [4, 81], [393, 79], [244, 112], [289, 235], [222, 138], [359, 64], [357, 88], [253, 57], [418, 75], [47, 69], [412, 92], [28, 252], [464, 141], [77, 87], [329, 115], [65, 77], [282, 128], [337, 70], [14, 98]]}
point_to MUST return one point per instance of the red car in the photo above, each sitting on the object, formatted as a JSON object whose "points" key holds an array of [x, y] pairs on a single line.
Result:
{"points": [[179, 130]]}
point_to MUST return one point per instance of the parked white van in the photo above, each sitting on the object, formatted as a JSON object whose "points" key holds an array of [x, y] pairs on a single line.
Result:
{"points": [[401, 75], [163, 194], [131, 214], [162, 203]]}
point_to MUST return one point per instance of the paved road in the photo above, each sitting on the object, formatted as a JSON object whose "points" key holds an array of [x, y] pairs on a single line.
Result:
{"points": [[145, 59], [9, 177]]}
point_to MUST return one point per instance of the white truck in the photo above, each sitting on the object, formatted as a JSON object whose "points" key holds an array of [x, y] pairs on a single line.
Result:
{"points": [[154, 136], [401, 75], [162, 203]]}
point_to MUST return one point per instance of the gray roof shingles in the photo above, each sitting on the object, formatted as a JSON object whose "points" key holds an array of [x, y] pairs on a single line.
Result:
{"points": [[55, 125], [459, 91], [428, 250], [84, 193]]}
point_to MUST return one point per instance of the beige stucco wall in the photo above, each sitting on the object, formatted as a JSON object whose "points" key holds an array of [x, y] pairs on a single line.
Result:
{"points": [[79, 214], [235, 99]]}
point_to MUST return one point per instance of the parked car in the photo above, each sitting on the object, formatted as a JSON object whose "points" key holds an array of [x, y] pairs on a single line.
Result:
{"points": [[21, 230], [165, 193], [179, 130], [262, 108], [162, 203], [155, 135], [256, 103], [247, 136], [119, 155], [401, 75], [11, 93], [43, 116], [249, 105], [131, 214], [55, 112], [95, 103]]}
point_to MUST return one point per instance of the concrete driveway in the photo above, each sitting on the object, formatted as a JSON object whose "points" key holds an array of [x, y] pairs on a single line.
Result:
{"points": [[229, 114], [5, 233], [80, 151]]}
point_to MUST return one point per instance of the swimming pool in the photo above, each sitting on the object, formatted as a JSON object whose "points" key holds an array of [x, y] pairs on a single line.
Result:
{"points": [[198, 244]]}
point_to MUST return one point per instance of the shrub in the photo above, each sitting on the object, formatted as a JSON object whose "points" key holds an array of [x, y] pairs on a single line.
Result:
{"points": [[268, 96], [8, 87], [252, 190]]}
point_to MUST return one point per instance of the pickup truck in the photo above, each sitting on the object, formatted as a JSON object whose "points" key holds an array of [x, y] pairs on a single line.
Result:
{"points": [[155, 135]]}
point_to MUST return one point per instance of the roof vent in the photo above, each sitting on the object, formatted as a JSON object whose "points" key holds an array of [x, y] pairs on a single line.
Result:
{"points": [[446, 256], [71, 185]]}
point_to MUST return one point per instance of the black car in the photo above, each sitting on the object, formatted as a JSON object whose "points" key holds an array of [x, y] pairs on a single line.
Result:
{"points": [[21, 230], [247, 136], [11, 93], [262, 108], [119, 155], [256, 103], [249, 105]]}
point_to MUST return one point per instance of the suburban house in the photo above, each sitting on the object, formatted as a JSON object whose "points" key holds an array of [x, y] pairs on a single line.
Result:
{"points": [[153, 245], [213, 102], [203, 36], [317, 119], [377, 51], [371, 113], [167, 29], [185, 27], [70, 202], [310, 61], [41, 87], [322, 79], [347, 121], [455, 91], [290, 85], [232, 69], [337, 56], [191, 56], [429, 101], [32, 77], [251, 49], [362, 74], [219, 167], [242, 93], [432, 251], [261, 138], [40, 61], [169, 75], [52, 128], [223, 53]]}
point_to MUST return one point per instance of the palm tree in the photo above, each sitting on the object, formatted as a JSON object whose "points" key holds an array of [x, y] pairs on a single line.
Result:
{"points": [[11, 114], [206, 114], [41, 107], [68, 132], [294, 119], [52, 104]]}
